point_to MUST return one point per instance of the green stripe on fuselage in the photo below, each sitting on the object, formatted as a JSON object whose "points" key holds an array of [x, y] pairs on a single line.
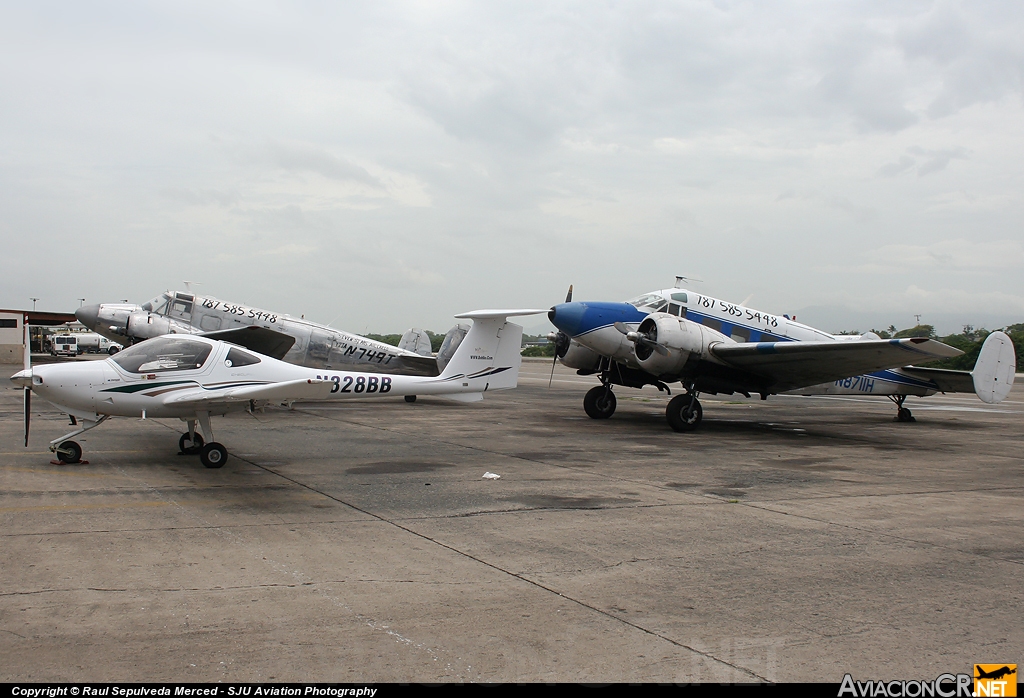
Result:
{"points": [[144, 385]]}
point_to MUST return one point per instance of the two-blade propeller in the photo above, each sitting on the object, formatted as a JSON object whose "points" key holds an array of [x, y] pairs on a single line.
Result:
{"points": [[28, 367], [641, 338], [560, 340]]}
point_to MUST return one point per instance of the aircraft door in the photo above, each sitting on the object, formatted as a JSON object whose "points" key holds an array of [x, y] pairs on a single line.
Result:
{"points": [[319, 349]]}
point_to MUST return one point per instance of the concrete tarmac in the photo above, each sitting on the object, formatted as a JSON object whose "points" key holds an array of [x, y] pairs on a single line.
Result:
{"points": [[796, 539]]}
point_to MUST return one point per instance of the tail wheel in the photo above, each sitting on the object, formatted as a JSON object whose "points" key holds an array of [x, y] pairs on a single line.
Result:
{"points": [[599, 403], [410, 398], [684, 413], [213, 455], [189, 447], [69, 452]]}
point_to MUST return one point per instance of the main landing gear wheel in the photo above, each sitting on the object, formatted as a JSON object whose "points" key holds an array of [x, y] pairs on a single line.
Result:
{"points": [[410, 398], [902, 413], [190, 447], [69, 452], [213, 455], [684, 413], [599, 403]]}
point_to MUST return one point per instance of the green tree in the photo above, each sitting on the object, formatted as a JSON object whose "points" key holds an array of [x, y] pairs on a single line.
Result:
{"points": [[917, 331]]}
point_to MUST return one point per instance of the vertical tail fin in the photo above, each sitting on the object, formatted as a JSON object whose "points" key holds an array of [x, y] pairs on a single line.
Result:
{"points": [[489, 355], [994, 371]]}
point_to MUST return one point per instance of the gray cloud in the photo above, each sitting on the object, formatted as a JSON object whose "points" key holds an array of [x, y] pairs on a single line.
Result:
{"points": [[357, 155]]}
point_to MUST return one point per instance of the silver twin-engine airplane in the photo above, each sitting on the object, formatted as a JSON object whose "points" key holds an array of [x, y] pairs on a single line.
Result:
{"points": [[713, 346], [314, 345], [191, 378]]}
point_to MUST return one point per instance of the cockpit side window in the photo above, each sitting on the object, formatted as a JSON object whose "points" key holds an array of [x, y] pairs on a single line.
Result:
{"points": [[158, 305], [237, 357], [163, 354], [649, 301]]}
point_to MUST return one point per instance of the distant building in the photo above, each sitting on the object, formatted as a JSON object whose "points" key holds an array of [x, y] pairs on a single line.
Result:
{"points": [[12, 337]]}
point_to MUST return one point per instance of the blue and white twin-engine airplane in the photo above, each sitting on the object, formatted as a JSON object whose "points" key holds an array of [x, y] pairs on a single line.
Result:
{"points": [[713, 346]]}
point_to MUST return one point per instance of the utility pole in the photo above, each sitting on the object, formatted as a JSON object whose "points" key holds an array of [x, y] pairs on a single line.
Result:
{"points": [[33, 303], [81, 302], [918, 319]]}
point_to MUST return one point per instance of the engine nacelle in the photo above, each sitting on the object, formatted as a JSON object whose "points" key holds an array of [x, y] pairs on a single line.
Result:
{"points": [[683, 341], [580, 357], [143, 325]]}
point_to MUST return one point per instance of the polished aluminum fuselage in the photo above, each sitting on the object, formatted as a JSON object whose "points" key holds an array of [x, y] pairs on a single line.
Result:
{"points": [[316, 345]]}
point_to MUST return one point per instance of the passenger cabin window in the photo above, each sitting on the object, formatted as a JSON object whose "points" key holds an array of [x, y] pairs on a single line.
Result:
{"points": [[237, 357], [163, 354]]}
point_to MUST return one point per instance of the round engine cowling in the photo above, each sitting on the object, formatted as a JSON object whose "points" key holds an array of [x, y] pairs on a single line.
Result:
{"points": [[679, 338], [143, 325], [579, 356]]}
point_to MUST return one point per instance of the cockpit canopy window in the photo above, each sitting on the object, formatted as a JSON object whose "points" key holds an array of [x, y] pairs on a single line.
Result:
{"points": [[650, 302], [158, 305], [164, 354], [237, 357]]}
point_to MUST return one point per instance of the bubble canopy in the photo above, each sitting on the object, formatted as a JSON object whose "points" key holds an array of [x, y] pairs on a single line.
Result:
{"points": [[164, 354]]}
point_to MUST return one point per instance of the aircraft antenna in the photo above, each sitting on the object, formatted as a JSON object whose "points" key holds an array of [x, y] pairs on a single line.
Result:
{"points": [[681, 279]]}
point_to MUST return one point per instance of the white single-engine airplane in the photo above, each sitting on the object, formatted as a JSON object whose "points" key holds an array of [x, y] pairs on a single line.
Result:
{"points": [[712, 346], [296, 340], [193, 378]]}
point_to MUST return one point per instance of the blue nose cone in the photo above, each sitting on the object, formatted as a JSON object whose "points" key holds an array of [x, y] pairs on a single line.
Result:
{"points": [[568, 317], [581, 317]]}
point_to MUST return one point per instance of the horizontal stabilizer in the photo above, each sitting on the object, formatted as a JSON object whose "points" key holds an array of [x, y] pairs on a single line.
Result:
{"points": [[946, 380], [464, 397], [259, 339], [791, 365]]}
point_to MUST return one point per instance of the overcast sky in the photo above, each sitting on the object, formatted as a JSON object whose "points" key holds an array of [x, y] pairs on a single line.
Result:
{"points": [[383, 165]]}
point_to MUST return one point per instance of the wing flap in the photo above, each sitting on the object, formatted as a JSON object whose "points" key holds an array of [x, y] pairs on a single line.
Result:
{"points": [[791, 365]]}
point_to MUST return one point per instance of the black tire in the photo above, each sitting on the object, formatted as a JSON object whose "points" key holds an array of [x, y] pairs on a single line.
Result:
{"points": [[190, 447], [213, 455], [410, 398], [112, 350], [684, 413], [69, 452], [599, 403], [903, 415]]}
